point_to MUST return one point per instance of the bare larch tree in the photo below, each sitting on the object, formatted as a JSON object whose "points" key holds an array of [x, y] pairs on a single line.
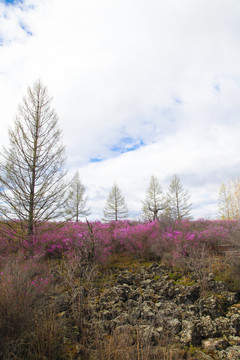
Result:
{"points": [[115, 207], [32, 172], [76, 203], [229, 200], [178, 205], [155, 201]]}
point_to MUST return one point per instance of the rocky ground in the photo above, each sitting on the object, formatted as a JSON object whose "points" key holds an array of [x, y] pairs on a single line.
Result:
{"points": [[155, 307]]}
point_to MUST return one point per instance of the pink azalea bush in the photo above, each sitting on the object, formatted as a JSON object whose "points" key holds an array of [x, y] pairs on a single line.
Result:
{"points": [[99, 240]]}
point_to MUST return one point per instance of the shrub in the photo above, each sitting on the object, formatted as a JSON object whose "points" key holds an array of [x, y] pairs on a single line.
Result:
{"points": [[23, 284]]}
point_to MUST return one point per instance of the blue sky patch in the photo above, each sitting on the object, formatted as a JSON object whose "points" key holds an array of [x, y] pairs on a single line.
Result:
{"points": [[217, 87], [178, 101], [29, 33], [9, 1], [96, 159], [12, 1], [127, 144]]}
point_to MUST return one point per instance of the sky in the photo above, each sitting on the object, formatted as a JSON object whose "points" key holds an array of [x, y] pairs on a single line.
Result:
{"points": [[141, 88]]}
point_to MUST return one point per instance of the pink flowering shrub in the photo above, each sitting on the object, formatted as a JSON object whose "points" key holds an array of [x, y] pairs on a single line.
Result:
{"points": [[97, 240], [180, 242], [86, 238], [214, 235], [139, 239]]}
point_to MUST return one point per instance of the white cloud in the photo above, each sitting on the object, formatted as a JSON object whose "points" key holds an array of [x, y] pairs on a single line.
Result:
{"points": [[162, 72]]}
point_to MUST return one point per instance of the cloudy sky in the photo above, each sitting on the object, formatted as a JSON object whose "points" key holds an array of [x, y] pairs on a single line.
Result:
{"points": [[141, 88]]}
